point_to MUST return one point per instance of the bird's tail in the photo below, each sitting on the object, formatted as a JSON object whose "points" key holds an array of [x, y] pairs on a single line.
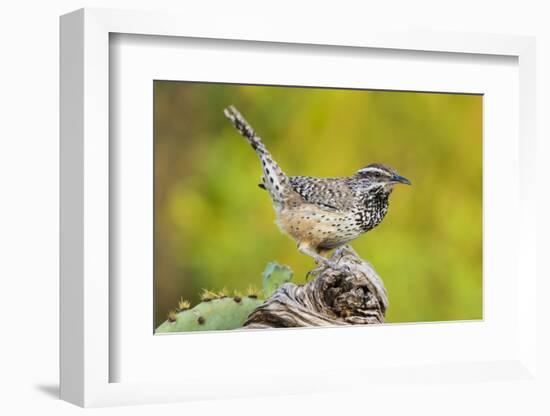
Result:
{"points": [[274, 179]]}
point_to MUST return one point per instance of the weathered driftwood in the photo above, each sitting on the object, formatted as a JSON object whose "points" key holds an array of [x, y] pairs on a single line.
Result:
{"points": [[355, 295]]}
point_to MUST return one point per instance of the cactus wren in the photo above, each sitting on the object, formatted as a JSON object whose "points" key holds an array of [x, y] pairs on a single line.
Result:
{"points": [[322, 213]]}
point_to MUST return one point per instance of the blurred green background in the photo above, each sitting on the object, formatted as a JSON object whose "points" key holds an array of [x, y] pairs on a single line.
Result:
{"points": [[214, 227]]}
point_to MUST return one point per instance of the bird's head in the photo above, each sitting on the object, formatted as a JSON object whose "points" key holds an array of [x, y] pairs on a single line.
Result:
{"points": [[381, 176]]}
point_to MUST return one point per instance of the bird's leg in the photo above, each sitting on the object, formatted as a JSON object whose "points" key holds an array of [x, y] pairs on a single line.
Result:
{"points": [[306, 248], [314, 272], [341, 250], [317, 270]]}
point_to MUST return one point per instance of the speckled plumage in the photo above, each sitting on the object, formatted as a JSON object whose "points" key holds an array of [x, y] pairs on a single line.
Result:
{"points": [[348, 208], [322, 213]]}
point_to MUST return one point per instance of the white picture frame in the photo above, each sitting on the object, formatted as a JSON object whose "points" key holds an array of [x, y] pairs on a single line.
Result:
{"points": [[87, 356]]}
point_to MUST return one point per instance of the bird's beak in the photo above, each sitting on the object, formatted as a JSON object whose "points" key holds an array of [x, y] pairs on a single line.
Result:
{"points": [[400, 179]]}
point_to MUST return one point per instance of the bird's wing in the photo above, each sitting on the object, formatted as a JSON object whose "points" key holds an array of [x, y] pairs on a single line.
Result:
{"points": [[331, 194]]}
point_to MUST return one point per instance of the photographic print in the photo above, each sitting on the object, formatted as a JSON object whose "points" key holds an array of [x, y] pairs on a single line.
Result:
{"points": [[287, 206]]}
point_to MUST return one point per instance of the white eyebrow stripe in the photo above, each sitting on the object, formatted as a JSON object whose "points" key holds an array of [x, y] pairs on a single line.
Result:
{"points": [[373, 169]]}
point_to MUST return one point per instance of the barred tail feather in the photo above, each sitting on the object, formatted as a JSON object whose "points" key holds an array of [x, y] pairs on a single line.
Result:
{"points": [[274, 179]]}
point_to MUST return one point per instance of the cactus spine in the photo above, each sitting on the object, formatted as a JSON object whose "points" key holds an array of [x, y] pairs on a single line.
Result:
{"points": [[219, 311]]}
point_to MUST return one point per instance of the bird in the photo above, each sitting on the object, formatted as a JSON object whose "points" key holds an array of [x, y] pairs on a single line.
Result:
{"points": [[322, 214]]}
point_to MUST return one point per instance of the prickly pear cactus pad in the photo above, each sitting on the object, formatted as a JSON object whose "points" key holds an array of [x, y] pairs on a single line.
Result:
{"points": [[274, 276], [219, 310], [214, 314]]}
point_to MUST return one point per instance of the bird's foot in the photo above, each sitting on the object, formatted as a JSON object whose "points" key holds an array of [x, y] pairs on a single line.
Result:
{"points": [[339, 252], [320, 261], [342, 268], [312, 273], [329, 263], [326, 263]]}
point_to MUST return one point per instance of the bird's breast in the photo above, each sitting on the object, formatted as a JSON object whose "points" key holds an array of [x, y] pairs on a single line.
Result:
{"points": [[320, 228], [371, 213]]}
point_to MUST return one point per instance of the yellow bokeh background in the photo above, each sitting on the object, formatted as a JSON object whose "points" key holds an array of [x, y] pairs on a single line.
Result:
{"points": [[214, 227]]}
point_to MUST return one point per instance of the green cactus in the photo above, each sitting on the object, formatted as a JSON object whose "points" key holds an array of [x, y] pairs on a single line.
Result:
{"points": [[215, 314], [219, 311], [275, 276]]}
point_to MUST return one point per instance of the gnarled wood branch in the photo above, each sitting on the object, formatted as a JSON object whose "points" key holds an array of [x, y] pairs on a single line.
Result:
{"points": [[335, 297]]}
